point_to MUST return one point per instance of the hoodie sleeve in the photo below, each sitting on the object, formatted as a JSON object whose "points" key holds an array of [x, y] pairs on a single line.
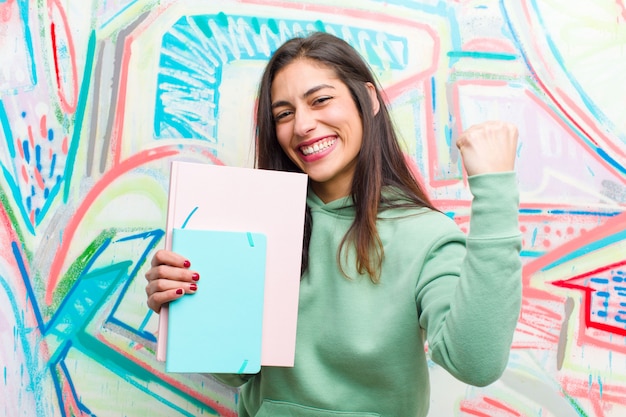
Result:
{"points": [[469, 292]]}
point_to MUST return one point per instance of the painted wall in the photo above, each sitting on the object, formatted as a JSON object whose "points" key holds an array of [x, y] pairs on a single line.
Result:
{"points": [[97, 97]]}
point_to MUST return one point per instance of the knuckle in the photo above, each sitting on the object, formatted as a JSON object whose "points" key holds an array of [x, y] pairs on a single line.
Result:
{"points": [[160, 270], [158, 255], [159, 284]]}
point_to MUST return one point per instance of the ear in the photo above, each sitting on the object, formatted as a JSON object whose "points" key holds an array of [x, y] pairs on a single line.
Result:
{"points": [[371, 89]]}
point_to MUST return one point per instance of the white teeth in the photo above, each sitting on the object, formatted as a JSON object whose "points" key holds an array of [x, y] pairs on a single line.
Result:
{"points": [[318, 146]]}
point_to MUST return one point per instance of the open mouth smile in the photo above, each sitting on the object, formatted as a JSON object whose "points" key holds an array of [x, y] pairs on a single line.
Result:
{"points": [[318, 147]]}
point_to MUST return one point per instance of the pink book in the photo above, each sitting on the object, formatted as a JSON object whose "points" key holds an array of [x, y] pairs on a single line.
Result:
{"points": [[231, 199]]}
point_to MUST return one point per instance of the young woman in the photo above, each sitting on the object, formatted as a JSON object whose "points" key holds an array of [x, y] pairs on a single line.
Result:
{"points": [[384, 272]]}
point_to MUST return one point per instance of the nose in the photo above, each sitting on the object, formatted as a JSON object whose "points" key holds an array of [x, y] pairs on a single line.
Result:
{"points": [[305, 122]]}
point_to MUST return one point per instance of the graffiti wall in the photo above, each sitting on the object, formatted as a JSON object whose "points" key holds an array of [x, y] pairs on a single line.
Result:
{"points": [[98, 97]]}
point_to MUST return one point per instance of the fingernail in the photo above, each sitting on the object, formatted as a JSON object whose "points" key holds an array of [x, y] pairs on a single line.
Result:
{"points": [[186, 264], [193, 287], [179, 291], [195, 277]]}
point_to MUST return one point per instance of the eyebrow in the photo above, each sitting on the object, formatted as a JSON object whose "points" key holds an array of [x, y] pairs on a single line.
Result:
{"points": [[309, 92]]}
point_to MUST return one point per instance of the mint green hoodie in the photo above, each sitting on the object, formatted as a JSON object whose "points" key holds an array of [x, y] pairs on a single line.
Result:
{"points": [[360, 346]]}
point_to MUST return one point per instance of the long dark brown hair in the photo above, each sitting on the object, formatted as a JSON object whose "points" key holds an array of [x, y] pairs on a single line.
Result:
{"points": [[380, 161]]}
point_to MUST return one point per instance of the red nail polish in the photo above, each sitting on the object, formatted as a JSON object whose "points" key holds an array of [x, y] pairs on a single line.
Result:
{"points": [[186, 264], [195, 277], [179, 291], [193, 287]]}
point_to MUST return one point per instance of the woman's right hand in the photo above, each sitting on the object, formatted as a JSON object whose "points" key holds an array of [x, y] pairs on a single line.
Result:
{"points": [[169, 278]]}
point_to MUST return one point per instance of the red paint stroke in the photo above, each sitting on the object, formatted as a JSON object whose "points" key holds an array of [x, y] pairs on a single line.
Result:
{"points": [[119, 116], [487, 407], [69, 99], [540, 323], [473, 412], [538, 327], [456, 113], [43, 130], [64, 146], [489, 45], [621, 6], [591, 122], [578, 282], [68, 398], [25, 174], [6, 10], [454, 205], [53, 39], [31, 138], [603, 397], [372, 15], [9, 232], [501, 406], [432, 146], [118, 124], [391, 91], [18, 145], [561, 99], [610, 227], [546, 312], [603, 338], [398, 88], [129, 164], [8, 237], [532, 266], [535, 45], [120, 105], [547, 208], [415, 171], [39, 179], [167, 379]]}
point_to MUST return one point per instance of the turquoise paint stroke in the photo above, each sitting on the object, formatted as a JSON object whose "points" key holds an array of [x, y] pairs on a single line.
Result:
{"points": [[21, 332], [69, 326], [120, 12], [54, 190], [611, 161], [136, 375], [211, 36], [591, 247], [482, 55], [87, 296], [23, 7], [439, 8], [597, 113], [456, 40], [80, 115], [8, 135], [151, 238]]}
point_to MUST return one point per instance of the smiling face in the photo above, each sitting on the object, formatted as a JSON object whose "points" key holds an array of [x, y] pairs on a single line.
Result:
{"points": [[317, 125]]}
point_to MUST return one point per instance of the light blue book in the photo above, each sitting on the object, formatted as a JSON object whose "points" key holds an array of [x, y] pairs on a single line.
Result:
{"points": [[219, 328]]}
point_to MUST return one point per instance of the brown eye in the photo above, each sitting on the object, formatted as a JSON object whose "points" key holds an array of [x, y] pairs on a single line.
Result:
{"points": [[281, 116], [321, 100]]}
